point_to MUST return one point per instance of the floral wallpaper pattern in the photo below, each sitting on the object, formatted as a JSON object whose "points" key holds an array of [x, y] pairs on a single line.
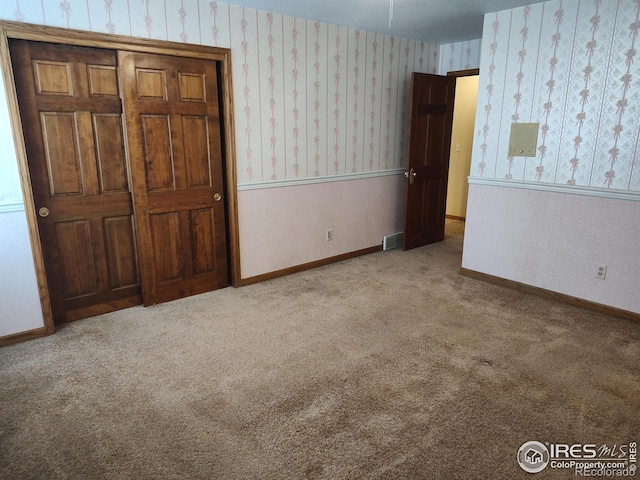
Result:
{"points": [[459, 56], [311, 99], [570, 66]]}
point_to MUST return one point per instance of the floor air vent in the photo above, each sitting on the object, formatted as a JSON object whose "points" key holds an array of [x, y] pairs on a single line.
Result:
{"points": [[391, 241]]}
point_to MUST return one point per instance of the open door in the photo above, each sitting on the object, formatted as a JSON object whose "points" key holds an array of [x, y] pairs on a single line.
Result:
{"points": [[431, 115]]}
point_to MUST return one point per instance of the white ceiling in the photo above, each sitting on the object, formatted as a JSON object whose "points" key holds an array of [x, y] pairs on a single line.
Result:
{"points": [[438, 21]]}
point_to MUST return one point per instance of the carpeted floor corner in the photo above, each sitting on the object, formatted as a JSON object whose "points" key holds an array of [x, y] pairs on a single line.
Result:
{"points": [[387, 366]]}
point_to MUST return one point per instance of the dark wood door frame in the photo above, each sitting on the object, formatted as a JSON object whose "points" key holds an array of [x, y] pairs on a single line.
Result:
{"points": [[116, 42], [464, 73]]}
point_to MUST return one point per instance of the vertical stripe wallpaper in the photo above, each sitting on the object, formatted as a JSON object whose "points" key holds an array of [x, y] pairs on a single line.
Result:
{"points": [[570, 66], [311, 99], [458, 56]]}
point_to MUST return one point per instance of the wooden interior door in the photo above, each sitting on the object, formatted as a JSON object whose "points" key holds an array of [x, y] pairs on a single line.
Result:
{"points": [[431, 120], [71, 117], [174, 137]]}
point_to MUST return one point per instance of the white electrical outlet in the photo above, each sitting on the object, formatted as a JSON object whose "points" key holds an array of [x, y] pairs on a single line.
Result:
{"points": [[329, 235], [601, 272]]}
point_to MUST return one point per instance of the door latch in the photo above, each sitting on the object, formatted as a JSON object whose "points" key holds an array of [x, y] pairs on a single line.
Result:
{"points": [[411, 175]]}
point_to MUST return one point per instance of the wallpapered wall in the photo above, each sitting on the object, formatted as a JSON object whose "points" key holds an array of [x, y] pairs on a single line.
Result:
{"points": [[311, 99], [571, 66], [10, 192], [459, 56]]}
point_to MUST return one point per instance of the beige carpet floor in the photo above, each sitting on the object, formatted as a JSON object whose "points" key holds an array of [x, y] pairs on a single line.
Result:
{"points": [[387, 366]]}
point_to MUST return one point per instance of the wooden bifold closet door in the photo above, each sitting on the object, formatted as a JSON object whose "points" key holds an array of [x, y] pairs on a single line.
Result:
{"points": [[103, 248]]}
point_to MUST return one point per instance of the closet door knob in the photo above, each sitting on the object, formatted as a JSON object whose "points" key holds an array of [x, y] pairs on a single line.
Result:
{"points": [[43, 212]]}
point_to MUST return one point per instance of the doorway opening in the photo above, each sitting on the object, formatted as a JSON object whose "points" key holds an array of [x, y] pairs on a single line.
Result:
{"points": [[430, 145], [462, 136]]}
